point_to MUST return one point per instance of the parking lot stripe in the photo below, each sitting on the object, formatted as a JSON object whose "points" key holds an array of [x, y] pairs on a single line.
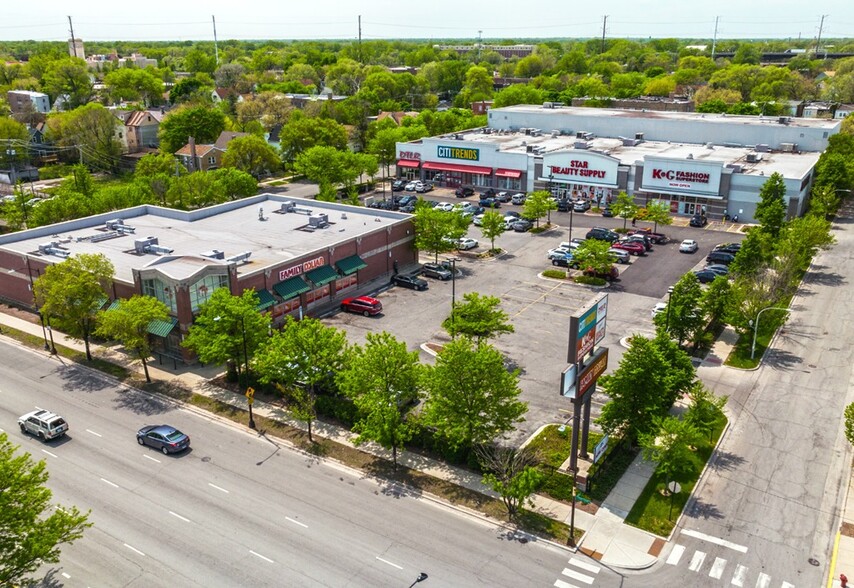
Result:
{"points": [[296, 522], [261, 556], [94, 433], [385, 561], [738, 576], [578, 576], [584, 565], [177, 516], [134, 548], [48, 452], [717, 568], [110, 483], [151, 458], [218, 488]]}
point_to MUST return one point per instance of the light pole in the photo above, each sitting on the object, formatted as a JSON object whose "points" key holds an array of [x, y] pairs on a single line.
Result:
{"points": [[50, 332], [756, 326], [453, 261], [572, 516], [44, 331], [552, 196], [421, 577]]}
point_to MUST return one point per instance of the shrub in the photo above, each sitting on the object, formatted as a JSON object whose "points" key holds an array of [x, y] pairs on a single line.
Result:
{"points": [[553, 273], [52, 172], [590, 280], [337, 408]]}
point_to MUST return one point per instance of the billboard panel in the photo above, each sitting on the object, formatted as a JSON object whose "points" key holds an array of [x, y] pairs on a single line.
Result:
{"points": [[683, 175], [591, 371], [583, 327]]}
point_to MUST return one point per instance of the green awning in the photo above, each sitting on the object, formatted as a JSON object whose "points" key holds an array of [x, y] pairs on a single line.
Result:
{"points": [[291, 288], [322, 275], [350, 265], [162, 328], [113, 305], [265, 298]]}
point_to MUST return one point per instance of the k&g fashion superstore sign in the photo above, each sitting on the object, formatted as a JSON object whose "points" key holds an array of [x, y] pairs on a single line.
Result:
{"points": [[682, 175]]}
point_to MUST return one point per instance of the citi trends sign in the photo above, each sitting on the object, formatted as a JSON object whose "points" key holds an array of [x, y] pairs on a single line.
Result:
{"points": [[681, 175], [299, 269], [580, 168], [466, 153]]}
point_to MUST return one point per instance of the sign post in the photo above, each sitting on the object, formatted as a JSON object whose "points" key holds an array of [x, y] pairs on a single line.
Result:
{"points": [[250, 400]]}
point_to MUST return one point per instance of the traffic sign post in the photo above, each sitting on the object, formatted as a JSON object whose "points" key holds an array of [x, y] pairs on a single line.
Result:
{"points": [[250, 400]]}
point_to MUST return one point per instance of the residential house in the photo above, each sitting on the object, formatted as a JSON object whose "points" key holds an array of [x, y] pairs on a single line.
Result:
{"points": [[397, 117], [24, 101], [206, 157], [141, 130], [481, 106], [225, 95], [843, 110]]}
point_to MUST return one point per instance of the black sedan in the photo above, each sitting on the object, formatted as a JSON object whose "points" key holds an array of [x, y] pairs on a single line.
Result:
{"points": [[163, 437], [522, 225], [398, 185], [408, 281], [706, 275], [698, 220]]}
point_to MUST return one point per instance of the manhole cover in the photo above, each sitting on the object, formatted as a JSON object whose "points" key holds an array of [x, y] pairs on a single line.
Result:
{"points": [[813, 561]]}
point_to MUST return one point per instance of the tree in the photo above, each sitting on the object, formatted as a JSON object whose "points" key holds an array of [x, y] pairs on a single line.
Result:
{"points": [[681, 373], [32, 528], [478, 86], [271, 109], [301, 133], [849, 423], [669, 445], [437, 231], [69, 78], [478, 318], [518, 94], [230, 75], [472, 398], [71, 293], [714, 300], [635, 391], [537, 205], [252, 155], [492, 226], [756, 251], [706, 408], [512, 473], [592, 255], [202, 123], [91, 131], [128, 323], [298, 359], [658, 212], [824, 201], [683, 318], [228, 328], [158, 163], [128, 83], [771, 209], [624, 207], [234, 183], [382, 379], [197, 60]]}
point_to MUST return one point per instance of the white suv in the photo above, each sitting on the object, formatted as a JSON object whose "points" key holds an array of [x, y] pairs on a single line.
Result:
{"points": [[43, 424]]}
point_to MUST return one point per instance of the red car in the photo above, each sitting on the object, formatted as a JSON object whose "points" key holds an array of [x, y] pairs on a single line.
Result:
{"points": [[632, 247], [362, 305]]}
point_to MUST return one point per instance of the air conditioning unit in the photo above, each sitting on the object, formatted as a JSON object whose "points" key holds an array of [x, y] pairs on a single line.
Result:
{"points": [[581, 145], [754, 157], [763, 147], [213, 254], [318, 220], [787, 147]]}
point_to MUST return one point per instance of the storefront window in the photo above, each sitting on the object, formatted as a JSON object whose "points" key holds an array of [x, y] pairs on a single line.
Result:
{"points": [[201, 291], [165, 294], [510, 184]]}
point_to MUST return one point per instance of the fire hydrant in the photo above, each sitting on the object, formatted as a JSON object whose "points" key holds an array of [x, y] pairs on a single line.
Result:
{"points": [[844, 580]]}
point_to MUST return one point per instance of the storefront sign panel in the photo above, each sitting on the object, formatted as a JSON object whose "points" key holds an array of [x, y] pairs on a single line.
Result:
{"points": [[301, 268], [581, 168], [683, 175], [463, 153]]}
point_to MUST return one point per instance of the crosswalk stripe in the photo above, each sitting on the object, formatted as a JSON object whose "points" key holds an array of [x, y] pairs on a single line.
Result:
{"points": [[584, 565], [787, 585], [676, 554], [763, 581], [738, 575], [577, 576], [697, 561], [562, 584], [717, 568]]}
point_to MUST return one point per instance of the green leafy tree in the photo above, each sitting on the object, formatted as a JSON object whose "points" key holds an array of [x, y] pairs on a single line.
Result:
{"points": [[624, 207], [91, 131], [479, 318], [17, 211], [771, 209], [669, 445], [512, 473], [518, 94], [592, 255], [437, 231], [683, 319], [69, 78], [824, 201], [635, 391], [298, 359], [714, 300], [195, 89], [849, 423], [71, 293], [228, 328], [537, 205], [159, 163], [132, 84], [252, 155], [234, 183], [32, 529], [330, 168], [658, 212], [492, 226], [681, 372], [472, 398], [478, 86], [194, 190], [202, 123], [755, 252], [382, 379], [197, 60], [128, 324], [705, 410], [301, 133]]}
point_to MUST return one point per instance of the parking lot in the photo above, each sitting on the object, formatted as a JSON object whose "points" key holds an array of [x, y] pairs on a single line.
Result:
{"points": [[539, 308]]}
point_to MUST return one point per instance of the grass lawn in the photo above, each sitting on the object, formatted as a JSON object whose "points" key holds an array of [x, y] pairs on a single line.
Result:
{"points": [[554, 446], [652, 511], [770, 322]]}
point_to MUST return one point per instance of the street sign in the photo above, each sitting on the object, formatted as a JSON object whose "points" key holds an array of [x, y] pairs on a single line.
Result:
{"points": [[600, 448], [250, 393], [250, 400]]}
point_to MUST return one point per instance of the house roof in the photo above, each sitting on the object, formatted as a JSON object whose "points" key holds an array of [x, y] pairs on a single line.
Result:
{"points": [[201, 150], [141, 117], [396, 116], [224, 93], [225, 138]]}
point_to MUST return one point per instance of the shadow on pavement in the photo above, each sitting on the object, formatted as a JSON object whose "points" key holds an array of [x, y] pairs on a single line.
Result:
{"points": [[81, 380], [779, 359], [724, 461], [705, 510], [48, 581], [826, 279], [141, 403]]}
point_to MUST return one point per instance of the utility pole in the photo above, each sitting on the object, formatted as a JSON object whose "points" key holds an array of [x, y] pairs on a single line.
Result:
{"points": [[479, 44], [818, 41], [73, 41], [216, 50], [604, 22], [715, 38], [360, 38]]}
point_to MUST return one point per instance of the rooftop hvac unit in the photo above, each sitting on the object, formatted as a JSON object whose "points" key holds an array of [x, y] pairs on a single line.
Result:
{"points": [[142, 245], [241, 257], [787, 147], [582, 145], [213, 254], [548, 105], [53, 248], [754, 157], [318, 220], [736, 168], [288, 206], [690, 156], [112, 224], [158, 250], [526, 130], [627, 142], [555, 133], [639, 136], [763, 148], [536, 132], [710, 146], [784, 120], [530, 149]]}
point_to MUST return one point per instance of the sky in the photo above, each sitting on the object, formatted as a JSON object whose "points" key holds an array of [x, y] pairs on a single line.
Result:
{"points": [[158, 20]]}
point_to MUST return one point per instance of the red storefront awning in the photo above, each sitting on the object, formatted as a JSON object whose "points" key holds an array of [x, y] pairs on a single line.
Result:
{"points": [[466, 169], [408, 163], [508, 173]]}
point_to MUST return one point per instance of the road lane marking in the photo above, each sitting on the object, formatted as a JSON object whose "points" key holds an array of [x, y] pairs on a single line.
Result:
{"points": [[385, 561], [261, 556], [134, 549], [562, 584], [738, 576], [94, 433], [110, 483], [296, 522], [578, 576], [715, 540], [787, 585], [151, 458], [48, 452], [584, 565], [218, 488], [66, 576], [697, 561], [177, 516], [676, 555], [717, 568], [763, 581]]}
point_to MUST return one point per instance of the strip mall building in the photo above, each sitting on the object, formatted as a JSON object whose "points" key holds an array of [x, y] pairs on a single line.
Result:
{"points": [[300, 256], [694, 162]]}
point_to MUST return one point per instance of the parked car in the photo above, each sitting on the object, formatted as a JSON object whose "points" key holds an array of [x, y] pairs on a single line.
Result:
{"points": [[466, 243], [657, 238], [619, 255], [163, 437], [463, 192], [398, 185], [410, 187], [720, 257], [478, 220], [632, 247], [408, 199], [512, 213], [728, 247], [563, 205], [435, 270], [718, 268], [565, 260], [424, 187], [503, 196], [581, 206], [489, 202], [602, 234], [705, 276], [658, 308], [522, 225], [409, 281], [365, 305], [445, 206], [518, 198], [558, 252], [464, 206], [382, 204], [698, 220], [408, 208], [43, 424], [688, 246], [642, 239], [607, 212]]}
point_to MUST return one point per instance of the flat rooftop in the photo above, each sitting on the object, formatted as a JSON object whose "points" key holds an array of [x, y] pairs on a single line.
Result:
{"points": [[233, 228]]}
